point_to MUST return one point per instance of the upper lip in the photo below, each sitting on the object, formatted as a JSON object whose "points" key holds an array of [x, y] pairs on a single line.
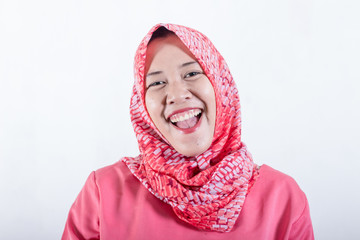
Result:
{"points": [[181, 110]]}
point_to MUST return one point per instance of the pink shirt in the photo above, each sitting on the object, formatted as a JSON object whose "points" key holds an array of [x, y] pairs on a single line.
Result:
{"points": [[114, 205]]}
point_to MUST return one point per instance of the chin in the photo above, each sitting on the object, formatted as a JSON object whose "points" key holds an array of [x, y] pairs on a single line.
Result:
{"points": [[192, 151]]}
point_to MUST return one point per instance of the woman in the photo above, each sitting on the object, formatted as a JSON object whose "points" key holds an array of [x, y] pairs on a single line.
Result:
{"points": [[194, 178]]}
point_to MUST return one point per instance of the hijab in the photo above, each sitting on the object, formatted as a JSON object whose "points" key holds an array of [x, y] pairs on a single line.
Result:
{"points": [[207, 191]]}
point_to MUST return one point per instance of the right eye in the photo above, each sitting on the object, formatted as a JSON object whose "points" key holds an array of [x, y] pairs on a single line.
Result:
{"points": [[157, 83], [192, 74]]}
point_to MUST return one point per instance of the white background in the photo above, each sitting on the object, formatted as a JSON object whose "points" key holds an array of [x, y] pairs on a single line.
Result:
{"points": [[66, 76]]}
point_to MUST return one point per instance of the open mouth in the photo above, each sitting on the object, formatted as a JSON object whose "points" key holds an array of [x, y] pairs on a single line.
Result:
{"points": [[186, 119]]}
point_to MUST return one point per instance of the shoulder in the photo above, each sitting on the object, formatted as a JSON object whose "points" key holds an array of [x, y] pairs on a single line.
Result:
{"points": [[275, 180], [287, 198], [280, 191], [114, 174], [116, 169], [276, 207]]}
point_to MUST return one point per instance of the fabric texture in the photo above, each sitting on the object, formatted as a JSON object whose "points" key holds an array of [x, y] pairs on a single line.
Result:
{"points": [[207, 191], [114, 205]]}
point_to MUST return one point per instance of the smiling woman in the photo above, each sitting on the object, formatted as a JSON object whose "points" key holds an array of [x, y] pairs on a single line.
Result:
{"points": [[179, 97], [194, 177]]}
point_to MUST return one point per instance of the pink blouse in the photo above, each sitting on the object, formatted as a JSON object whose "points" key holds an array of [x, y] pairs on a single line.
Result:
{"points": [[114, 205]]}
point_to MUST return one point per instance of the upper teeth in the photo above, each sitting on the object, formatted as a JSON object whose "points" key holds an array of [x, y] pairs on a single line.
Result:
{"points": [[184, 115]]}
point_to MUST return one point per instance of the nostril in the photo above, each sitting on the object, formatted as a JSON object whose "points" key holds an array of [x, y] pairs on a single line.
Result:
{"points": [[177, 92]]}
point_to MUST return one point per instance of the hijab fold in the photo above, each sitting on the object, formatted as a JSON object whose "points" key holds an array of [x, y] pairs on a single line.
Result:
{"points": [[207, 191]]}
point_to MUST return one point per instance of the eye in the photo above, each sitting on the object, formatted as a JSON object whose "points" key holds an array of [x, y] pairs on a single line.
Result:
{"points": [[192, 74], [157, 83]]}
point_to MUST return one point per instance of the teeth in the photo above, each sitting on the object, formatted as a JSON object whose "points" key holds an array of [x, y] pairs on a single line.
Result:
{"points": [[184, 116]]}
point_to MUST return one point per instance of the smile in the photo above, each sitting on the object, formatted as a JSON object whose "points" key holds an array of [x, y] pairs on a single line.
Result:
{"points": [[186, 119]]}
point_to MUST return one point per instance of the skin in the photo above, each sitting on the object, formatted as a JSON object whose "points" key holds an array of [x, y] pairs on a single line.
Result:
{"points": [[175, 83]]}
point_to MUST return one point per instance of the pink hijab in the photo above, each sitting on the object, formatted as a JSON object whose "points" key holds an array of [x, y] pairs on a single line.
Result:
{"points": [[207, 191]]}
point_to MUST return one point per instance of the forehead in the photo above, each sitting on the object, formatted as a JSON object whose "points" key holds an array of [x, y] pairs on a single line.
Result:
{"points": [[162, 50]]}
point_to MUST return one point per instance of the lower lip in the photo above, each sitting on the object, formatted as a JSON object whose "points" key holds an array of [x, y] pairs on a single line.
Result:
{"points": [[192, 129]]}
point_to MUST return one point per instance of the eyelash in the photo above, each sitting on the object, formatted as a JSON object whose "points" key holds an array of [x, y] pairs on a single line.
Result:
{"points": [[187, 75], [155, 84], [196, 73]]}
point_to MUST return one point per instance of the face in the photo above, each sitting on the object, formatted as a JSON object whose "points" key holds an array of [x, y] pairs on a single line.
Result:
{"points": [[179, 97]]}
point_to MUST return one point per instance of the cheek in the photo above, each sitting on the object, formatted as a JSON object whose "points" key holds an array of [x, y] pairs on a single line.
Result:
{"points": [[211, 104], [149, 103], [209, 95], [153, 107]]}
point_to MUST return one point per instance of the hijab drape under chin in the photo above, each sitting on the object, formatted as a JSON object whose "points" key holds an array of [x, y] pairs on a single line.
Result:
{"points": [[207, 191]]}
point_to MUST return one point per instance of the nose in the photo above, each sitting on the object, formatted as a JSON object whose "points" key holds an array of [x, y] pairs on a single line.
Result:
{"points": [[177, 92]]}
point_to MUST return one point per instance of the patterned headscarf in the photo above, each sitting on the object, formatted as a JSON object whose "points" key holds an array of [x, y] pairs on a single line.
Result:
{"points": [[208, 191]]}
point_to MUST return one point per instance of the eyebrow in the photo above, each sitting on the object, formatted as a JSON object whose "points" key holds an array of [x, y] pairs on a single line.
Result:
{"points": [[181, 66], [187, 63], [153, 73]]}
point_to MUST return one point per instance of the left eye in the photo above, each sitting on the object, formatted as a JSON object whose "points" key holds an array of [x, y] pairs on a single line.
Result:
{"points": [[192, 74], [154, 84]]}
